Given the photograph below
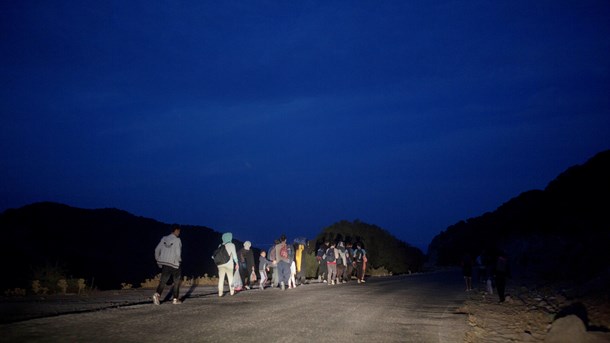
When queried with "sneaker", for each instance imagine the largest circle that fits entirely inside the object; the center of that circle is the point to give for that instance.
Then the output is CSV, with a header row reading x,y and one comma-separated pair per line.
x,y
176,301
282,286
362,281
248,287
156,297
358,280
232,292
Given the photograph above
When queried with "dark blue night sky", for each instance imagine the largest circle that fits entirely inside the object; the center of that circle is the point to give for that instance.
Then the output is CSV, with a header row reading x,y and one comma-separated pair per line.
x,y
262,117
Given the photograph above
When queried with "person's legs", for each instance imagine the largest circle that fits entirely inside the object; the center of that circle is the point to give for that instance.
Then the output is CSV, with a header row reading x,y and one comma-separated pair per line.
x,y
291,281
350,270
165,275
230,275
222,272
284,273
263,274
243,273
340,273
501,286
177,276
275,276
359,271
332,271
323,270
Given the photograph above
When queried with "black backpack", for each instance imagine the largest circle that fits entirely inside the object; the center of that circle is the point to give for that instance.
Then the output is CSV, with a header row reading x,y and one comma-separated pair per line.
x,y
358,255
330,255
221,255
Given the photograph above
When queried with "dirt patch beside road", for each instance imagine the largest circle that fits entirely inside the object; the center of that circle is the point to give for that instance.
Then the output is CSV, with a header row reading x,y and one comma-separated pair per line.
x,y
530,313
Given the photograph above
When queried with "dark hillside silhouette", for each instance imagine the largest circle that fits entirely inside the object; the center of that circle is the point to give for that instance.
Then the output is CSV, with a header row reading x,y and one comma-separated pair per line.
x,y
104,246
561,232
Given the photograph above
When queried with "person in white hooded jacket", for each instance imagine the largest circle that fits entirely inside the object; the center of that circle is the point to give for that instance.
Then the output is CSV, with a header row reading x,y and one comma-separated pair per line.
x,y
167,254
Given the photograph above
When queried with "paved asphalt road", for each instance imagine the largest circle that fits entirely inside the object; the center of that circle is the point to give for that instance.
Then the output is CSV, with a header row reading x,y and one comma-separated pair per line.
x,y
414,308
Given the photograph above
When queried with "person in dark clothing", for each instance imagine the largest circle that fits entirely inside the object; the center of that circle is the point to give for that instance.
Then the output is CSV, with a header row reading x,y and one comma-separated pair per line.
x,y
502,272
349,255
246,264
359,257
341,263
273,265
322,270
467,271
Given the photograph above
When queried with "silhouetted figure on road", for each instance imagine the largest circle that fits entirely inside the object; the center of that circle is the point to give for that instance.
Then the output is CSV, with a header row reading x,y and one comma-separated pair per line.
x,y
467,271
502,272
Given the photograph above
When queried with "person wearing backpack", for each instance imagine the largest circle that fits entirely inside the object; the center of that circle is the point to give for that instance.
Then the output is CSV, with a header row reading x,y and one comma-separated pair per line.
x,y
275,276
341,263
331,263
322,271
229,267
284,255
167,255
359,259
349,256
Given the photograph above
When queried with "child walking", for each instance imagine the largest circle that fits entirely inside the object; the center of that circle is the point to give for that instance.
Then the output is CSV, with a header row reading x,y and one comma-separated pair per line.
x,y
263,267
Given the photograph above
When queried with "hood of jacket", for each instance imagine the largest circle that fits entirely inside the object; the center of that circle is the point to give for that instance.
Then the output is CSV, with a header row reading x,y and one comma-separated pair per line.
x,y
227,237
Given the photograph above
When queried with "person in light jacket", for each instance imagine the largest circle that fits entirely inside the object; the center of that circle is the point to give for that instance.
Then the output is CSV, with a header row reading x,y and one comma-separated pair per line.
x,y
167,254
229,267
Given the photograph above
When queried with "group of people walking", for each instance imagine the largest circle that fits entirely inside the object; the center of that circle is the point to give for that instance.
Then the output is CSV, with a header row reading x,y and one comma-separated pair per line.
x,y
338,263
284,261
492,268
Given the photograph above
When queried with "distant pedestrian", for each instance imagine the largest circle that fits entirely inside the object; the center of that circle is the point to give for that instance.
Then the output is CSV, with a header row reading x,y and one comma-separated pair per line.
x,y
246,264
284,255
502,272
275,276
349,256
467,271
365,260
481,272
341,263
263,268
322,270
359,256
300,260
331,256
228,268
168,256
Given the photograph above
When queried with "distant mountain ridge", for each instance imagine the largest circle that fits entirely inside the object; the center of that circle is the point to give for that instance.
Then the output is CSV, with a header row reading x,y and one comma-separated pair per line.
x,y
560,231
105,246
109,246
